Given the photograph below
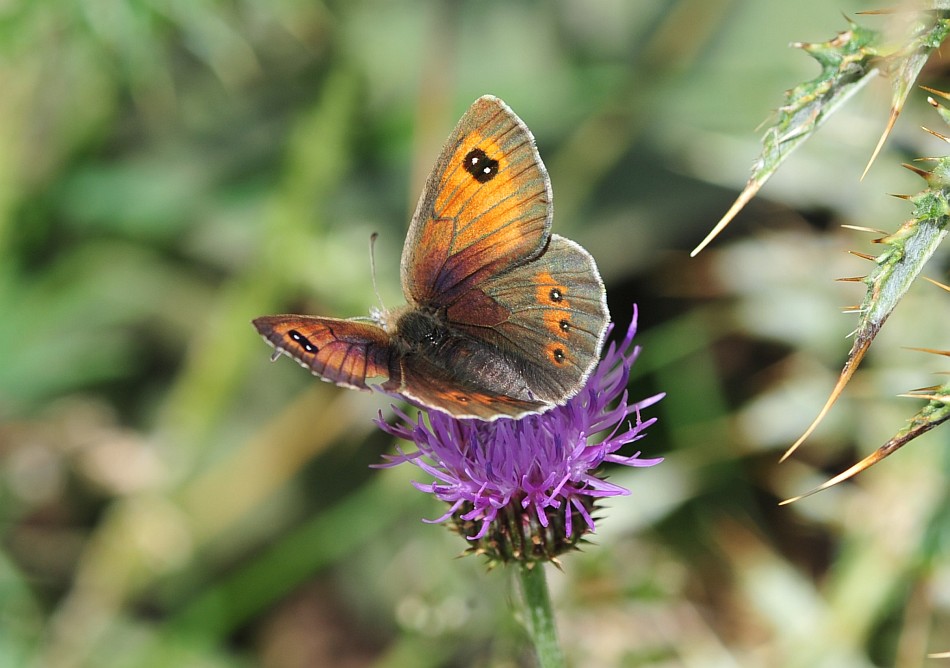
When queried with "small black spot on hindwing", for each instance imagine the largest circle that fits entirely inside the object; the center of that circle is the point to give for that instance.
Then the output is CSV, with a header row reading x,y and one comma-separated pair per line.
x,y
303,341
556,295
480,166
564,325
558,355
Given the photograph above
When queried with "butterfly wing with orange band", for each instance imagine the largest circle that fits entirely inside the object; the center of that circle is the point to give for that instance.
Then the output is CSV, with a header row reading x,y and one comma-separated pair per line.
x,y
486,208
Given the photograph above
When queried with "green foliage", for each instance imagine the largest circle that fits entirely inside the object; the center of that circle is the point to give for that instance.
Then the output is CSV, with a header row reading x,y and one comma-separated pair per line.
x,y
847,62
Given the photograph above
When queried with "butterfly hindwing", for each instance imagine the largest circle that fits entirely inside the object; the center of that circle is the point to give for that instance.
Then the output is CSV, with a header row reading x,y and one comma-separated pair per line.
x,y
431,385
345,352
556,318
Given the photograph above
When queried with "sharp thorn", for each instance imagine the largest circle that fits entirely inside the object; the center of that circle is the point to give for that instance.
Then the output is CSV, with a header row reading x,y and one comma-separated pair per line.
x,y
857,353
916,170
945,353
747,194
861,228
935,134
937,283
938,93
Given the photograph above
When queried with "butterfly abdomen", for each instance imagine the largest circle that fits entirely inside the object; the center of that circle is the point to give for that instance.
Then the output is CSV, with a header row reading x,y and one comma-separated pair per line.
x,y
425,335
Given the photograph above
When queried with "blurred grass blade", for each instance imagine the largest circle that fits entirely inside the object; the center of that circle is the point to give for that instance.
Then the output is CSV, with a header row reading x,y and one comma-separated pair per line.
x,y
847,63
904,66
341,530
908,250
317,159
931,415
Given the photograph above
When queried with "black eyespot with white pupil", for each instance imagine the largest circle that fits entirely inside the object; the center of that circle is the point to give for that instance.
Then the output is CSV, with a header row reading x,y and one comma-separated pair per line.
x,y
480,166
564,325
558,355
302,341
556,295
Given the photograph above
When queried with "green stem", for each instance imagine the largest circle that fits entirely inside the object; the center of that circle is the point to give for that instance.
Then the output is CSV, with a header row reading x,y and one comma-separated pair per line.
x,y
539,616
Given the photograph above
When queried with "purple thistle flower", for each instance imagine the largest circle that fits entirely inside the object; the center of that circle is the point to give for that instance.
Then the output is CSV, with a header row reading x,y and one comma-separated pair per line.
x,y
519,488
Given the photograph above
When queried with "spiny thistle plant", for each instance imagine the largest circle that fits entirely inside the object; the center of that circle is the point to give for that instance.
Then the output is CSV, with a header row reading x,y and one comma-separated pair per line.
x,y
848,61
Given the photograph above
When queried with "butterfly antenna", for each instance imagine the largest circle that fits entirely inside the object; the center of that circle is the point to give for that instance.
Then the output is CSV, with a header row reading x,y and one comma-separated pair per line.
x,y
372,267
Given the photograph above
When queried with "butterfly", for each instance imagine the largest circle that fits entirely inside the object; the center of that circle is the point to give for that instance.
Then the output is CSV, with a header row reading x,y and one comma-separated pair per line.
x,y
503,319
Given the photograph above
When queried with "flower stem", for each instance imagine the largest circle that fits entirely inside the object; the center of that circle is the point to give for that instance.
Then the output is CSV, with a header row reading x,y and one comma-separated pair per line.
x,y
539,616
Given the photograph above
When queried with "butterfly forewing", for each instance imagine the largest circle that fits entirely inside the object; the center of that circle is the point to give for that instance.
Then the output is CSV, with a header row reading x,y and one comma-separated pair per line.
x,y
344,352
485,208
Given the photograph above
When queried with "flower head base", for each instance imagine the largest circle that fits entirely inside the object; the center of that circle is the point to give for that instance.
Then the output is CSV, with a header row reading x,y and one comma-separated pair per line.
x,y
524,490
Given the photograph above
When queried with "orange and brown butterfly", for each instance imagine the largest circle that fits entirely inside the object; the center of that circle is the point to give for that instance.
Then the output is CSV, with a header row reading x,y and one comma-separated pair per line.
x,y
503,318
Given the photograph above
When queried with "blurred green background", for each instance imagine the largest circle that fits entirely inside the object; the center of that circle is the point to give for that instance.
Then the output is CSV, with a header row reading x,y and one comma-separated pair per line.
x,y
171,169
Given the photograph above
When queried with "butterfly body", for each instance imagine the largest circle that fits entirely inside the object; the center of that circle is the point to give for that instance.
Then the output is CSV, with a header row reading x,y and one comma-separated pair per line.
x,y
503,318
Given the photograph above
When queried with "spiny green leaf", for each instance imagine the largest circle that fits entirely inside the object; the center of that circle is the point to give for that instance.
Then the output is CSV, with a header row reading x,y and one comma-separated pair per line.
x,y
847,63
908,250
904,65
